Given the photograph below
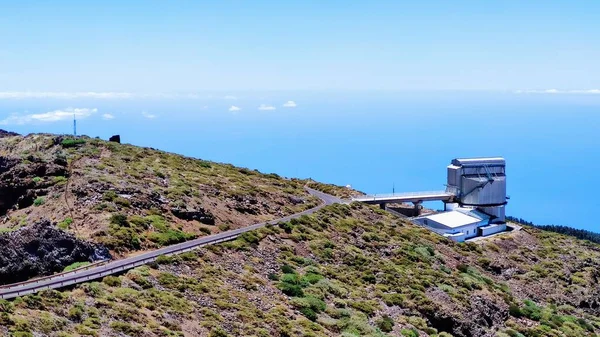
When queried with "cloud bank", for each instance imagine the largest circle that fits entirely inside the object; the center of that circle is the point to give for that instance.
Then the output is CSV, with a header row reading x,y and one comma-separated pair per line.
x,y
234,108
63,95
50,116
266,107
556,91
99,95
289,104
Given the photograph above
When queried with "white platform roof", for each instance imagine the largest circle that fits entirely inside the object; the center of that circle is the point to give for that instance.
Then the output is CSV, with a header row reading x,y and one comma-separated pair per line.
x,y
457,218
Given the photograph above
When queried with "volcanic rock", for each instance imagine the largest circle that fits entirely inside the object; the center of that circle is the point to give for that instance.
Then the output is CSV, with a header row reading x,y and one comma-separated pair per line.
x,y
42,249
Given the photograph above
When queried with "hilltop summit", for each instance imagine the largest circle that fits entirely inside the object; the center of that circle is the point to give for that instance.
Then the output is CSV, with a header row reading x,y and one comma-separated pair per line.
x,y
130,198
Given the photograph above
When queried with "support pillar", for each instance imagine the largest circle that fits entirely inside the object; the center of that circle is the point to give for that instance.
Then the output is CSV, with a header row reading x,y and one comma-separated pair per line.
x,y
382,205
417,208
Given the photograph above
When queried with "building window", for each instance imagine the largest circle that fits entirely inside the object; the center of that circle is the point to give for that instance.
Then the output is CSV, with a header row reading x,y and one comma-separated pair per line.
x,y
425,221
467,232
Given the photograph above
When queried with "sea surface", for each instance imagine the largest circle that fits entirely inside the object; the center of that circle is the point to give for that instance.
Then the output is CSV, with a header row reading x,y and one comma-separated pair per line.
x,y
375,141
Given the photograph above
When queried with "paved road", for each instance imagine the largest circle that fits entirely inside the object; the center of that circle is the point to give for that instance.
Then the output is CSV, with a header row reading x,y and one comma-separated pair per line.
x,y
101,270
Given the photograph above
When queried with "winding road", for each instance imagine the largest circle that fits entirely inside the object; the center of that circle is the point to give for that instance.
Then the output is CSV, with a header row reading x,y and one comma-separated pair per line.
x,y
105,268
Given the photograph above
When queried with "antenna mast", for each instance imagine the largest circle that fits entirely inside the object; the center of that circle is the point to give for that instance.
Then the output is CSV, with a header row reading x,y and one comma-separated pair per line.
x,y
74,126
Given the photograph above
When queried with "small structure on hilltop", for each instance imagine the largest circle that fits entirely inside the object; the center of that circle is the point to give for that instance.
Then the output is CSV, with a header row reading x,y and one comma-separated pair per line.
x,y
474,199
115,138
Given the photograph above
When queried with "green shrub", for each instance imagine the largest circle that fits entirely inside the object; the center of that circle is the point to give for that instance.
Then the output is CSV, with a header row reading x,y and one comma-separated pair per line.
x,y
66,143
463,268
368,307
312,278
6,306
514,310
121,235
531,310
291,289
122,202
386,324
60,180
409,333
36,179
109,196
394,299
112,281
287,269
39,201
286,226
76,313
119,219
218,332
165,259
65,223
75,266
309,313
250,237
139,221
170,237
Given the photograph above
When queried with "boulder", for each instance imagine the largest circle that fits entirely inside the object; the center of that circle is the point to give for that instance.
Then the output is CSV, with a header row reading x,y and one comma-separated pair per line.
x,y
198,214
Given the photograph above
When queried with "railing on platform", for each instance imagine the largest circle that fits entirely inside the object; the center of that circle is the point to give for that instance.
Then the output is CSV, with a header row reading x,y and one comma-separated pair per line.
x,y
401,195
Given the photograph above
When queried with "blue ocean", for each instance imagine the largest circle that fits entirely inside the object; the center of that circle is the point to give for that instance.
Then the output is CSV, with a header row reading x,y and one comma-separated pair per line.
x,y
375,141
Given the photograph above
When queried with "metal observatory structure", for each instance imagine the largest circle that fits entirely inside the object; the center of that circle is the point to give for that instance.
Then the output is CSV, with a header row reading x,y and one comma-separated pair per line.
x,y
479,183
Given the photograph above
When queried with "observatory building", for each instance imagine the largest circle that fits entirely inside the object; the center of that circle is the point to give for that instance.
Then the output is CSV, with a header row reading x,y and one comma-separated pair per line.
x,y
474,199
478,186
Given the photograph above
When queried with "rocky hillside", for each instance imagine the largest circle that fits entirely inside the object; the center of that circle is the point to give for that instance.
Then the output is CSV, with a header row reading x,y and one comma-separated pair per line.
x,y
43,249
130,198
347,270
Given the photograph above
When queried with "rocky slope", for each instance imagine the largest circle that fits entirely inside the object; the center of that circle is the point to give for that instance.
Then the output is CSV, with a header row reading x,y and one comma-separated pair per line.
x,y
130,198
347,270
42,249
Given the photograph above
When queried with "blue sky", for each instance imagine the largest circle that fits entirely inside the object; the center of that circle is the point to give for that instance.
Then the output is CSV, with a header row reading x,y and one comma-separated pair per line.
x,y
188,46
372,93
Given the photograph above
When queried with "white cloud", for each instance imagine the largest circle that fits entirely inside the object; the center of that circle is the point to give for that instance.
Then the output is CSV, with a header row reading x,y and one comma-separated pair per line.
x,y
63,95
50,116
230,97
108,116
234,108
148,115
266,107
556,91
290,104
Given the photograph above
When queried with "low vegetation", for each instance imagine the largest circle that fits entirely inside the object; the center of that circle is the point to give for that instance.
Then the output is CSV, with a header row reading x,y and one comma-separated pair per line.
x,y
348,270
575,232
80,183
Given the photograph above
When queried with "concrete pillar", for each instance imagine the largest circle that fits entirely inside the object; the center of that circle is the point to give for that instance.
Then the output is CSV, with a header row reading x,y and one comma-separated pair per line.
x,y
417,207
382,205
